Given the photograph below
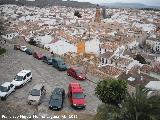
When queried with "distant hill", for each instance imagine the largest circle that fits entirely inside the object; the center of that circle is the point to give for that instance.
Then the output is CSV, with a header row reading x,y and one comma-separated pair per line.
x,y
127,5
44,3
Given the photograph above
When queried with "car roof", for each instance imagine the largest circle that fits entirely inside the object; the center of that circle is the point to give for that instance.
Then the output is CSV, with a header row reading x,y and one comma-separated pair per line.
x,y
57,90
6,84
76,87
58,58
29,49
75,68
23,72
38,86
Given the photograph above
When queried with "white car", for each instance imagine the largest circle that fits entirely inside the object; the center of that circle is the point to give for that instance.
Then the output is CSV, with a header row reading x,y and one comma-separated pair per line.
x,y
36,94
23,48
22,78
6,89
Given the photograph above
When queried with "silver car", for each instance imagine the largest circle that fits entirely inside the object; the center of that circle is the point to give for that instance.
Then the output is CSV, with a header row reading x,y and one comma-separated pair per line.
x,y
36,94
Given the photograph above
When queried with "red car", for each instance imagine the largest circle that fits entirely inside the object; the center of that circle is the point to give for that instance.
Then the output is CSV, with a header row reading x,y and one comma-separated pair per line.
x,y
76,73
76,95
38,55
16,47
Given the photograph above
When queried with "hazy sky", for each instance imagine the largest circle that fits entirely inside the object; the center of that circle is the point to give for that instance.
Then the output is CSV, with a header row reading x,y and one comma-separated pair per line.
x,y
148,2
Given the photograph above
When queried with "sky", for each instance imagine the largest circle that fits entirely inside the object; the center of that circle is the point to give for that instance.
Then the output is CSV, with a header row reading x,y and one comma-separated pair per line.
x,y
147,2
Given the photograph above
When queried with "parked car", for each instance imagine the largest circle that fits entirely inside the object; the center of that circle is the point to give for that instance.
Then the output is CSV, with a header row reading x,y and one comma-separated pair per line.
x,y
22,78
6,89
76,95
23,48
36,94
76,73
38,55
16,47
57,99
47,59
59,64
28,51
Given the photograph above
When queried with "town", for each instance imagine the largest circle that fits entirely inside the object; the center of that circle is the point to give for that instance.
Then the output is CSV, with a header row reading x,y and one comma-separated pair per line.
x,y
81,47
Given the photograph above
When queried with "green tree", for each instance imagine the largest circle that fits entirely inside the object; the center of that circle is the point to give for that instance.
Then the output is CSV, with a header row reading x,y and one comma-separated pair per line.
x,y
111,91
139,106
140,58
76,13
136,106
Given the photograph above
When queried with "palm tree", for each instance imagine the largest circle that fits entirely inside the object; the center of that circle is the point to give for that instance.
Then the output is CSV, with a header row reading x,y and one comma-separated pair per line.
x,y
139,106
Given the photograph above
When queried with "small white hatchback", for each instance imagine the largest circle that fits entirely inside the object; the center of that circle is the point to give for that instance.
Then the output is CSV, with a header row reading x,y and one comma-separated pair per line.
x,y
6,89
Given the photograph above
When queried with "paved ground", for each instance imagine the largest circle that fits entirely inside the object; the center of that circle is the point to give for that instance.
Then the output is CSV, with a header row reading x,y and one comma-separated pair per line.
x,y
14,61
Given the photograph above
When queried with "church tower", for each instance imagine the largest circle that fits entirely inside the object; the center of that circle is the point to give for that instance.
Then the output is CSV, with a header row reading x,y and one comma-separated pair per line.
x,y
98,14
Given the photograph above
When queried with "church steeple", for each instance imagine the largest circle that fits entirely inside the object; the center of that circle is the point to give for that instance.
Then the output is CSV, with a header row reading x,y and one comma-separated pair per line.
x,y
98,14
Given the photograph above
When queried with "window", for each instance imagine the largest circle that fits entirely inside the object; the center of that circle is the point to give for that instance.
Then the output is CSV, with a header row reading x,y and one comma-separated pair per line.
x,y
102,60
24,77
11,85
100,50
8,88
28,74
106,61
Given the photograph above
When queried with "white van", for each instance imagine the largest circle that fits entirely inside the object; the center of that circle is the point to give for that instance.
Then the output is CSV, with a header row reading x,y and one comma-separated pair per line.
x,y
22,78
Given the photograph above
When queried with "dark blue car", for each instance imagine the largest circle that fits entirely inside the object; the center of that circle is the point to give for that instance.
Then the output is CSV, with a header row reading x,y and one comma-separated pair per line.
x,y
28,51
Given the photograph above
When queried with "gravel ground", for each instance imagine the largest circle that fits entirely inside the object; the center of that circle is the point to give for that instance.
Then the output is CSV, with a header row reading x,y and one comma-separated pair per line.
x,y
14,61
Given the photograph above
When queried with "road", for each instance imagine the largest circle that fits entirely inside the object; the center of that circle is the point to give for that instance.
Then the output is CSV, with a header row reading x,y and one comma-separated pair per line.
x,y
14,61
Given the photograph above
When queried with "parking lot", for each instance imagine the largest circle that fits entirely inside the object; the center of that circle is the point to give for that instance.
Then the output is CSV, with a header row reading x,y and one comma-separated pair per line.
x,y
14,61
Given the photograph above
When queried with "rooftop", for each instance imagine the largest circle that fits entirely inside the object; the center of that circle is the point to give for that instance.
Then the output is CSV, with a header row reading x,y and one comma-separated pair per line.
x,y
6,84
23,72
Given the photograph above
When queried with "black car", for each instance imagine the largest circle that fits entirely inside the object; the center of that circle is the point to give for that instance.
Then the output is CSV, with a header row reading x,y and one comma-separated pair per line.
x,y
29,51
57,99
47,59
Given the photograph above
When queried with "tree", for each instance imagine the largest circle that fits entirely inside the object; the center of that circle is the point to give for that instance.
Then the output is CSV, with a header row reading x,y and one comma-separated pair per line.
x,y
76,13
141,59
111,91
139,106
136,106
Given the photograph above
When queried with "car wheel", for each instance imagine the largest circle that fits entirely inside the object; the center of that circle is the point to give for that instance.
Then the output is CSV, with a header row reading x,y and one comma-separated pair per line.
x,y
4,98
21,85
14,90
29,103
31,79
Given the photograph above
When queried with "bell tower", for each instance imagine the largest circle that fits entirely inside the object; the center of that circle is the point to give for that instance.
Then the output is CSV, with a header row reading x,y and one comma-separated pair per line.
x,y
98,14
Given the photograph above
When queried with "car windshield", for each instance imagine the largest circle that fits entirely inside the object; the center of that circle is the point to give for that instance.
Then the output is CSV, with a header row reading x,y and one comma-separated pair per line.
x,y
18,78
78,95
35,92
3,89
61,63
79,71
